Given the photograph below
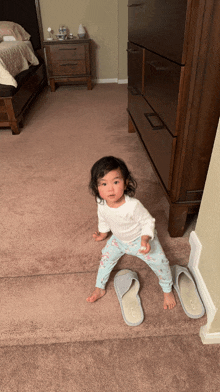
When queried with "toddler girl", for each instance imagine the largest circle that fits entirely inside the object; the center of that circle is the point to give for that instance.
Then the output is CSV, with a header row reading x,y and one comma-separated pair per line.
x,y
131,225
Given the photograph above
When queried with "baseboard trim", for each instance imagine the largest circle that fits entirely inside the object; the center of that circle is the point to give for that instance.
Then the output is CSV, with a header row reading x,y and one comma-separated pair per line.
x,y
196,248
209,338
122,81
119,81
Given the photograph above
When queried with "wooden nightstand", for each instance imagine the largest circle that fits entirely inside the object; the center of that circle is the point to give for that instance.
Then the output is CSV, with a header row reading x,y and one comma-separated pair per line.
x,y
68,62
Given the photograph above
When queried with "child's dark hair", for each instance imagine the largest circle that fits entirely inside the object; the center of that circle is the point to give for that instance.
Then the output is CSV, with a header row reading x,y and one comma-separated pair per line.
x,y
106,164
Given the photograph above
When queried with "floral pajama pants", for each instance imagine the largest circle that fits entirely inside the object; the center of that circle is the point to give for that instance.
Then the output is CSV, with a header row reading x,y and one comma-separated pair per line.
x,y
155,259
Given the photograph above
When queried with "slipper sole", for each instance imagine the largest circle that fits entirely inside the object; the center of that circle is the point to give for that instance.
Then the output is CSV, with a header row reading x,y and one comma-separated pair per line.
x,y
130,303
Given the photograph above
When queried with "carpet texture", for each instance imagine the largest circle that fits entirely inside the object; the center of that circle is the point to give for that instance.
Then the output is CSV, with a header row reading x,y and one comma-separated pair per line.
x,y
156,364
51,339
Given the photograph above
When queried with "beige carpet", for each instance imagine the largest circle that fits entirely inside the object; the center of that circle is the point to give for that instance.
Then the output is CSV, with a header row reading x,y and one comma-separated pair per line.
x,y
51,339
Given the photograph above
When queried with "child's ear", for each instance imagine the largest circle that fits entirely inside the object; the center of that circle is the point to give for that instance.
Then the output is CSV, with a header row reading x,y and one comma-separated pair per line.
x,y
126,183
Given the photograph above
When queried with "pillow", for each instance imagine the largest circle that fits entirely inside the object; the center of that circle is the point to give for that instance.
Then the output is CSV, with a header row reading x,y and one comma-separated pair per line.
x,y
8,38
11,28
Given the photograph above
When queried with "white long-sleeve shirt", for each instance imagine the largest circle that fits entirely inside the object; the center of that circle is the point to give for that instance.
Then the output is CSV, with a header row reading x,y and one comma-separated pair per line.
x,y
127,222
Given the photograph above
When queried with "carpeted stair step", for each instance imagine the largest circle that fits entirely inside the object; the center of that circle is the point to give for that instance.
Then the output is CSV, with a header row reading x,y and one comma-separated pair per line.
x,y
53,309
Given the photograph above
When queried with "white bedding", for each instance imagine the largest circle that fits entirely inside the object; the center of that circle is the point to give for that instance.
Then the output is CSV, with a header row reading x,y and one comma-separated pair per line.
x,y
15,57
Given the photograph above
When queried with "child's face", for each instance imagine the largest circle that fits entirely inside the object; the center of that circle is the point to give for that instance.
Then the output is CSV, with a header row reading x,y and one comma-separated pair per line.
x,y
111,188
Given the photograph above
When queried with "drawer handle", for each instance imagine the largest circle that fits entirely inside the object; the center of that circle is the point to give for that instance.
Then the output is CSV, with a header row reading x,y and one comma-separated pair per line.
x,y
159,67
68,49
136,5
133,50
66,65
155,122
134,91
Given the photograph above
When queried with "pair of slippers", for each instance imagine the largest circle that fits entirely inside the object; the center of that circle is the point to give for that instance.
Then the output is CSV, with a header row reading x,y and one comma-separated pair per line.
x,y
127,286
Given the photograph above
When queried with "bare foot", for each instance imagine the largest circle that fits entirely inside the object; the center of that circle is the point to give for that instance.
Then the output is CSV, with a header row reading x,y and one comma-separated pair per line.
x,y
99,236
169,301
97,293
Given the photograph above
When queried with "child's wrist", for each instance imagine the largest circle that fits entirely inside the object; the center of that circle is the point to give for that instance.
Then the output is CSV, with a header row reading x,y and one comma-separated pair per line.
x,y
145,238
103,235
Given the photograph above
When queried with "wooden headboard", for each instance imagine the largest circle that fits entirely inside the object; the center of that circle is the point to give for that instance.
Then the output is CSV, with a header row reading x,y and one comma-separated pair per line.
x,y
27,14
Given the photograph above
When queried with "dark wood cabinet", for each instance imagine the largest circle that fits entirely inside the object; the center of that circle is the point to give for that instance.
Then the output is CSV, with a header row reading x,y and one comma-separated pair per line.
x,y
155,136
158,25
68,61
174,94
161,87
135,64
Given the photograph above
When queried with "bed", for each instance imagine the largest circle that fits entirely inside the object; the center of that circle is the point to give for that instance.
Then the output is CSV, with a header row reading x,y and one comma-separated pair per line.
x,y
22,68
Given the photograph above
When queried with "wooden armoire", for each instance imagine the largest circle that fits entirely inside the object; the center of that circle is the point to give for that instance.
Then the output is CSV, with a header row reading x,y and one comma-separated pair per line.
x,y
174,94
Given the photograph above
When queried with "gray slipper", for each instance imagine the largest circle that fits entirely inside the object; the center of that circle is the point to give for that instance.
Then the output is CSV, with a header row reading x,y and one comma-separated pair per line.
x,y
127,285
187,292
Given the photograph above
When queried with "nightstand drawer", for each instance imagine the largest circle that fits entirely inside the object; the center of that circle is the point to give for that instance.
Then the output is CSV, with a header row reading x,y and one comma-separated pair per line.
x,y
67,52
62,68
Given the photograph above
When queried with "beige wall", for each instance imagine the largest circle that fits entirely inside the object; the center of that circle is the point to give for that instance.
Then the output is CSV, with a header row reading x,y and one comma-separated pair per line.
x,y
208,231
106,24
123,38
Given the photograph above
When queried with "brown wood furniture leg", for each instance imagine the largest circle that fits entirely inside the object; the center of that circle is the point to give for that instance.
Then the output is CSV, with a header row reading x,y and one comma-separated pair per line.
x,y
15,128
177,219
89,84
52,85
131,128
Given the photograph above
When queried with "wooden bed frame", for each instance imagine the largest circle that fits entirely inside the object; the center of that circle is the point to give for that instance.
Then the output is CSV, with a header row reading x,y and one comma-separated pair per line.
x,y
12,108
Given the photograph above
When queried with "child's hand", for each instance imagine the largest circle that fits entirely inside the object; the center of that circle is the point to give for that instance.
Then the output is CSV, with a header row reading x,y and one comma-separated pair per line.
x,y
99,236
145,249
145,246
